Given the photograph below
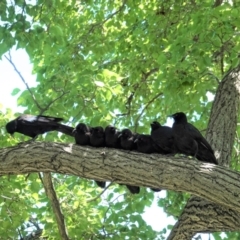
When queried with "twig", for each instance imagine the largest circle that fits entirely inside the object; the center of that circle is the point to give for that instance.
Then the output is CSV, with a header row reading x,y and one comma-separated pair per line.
x,y
32,221
144,108
146,75
135,87
49,104
113,14
23,80
42,109
83,105
94,25
34,235
51,194
19,233
100,194
211,74
105,215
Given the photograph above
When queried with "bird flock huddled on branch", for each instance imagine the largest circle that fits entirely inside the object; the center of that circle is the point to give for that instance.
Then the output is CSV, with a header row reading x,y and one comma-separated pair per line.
x,y
182,138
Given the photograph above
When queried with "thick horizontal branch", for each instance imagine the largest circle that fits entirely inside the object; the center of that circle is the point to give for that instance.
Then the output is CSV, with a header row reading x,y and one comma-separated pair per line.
x,y
214,183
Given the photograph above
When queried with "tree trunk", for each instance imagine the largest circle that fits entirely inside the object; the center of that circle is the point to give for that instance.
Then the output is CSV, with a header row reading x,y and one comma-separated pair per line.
x,y
199,215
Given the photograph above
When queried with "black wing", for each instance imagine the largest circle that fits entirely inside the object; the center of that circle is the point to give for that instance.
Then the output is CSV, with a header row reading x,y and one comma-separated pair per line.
x,y
163,139
195,134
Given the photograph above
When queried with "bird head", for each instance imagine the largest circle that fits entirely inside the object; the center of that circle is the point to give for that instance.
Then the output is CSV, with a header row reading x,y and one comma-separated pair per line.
x,y
126,133
113,129
141,138
82,128
98,131
110,129
11,127
179,117
155,125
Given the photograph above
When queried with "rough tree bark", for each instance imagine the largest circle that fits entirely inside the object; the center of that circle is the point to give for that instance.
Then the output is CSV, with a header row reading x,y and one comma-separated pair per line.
x,y
200,215
215,183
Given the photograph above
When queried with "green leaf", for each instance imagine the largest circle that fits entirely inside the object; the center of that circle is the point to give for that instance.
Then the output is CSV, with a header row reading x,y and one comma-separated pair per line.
x,y
15,91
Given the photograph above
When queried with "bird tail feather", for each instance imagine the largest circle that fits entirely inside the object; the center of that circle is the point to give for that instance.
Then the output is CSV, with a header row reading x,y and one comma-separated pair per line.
x,y
66,130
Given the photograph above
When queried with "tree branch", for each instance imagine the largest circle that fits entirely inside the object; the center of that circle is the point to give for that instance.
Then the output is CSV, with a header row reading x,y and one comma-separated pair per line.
x,y
94,25
50,192
42,109
100,194
214,183
23,80
202,216
36,234
144,108
53,101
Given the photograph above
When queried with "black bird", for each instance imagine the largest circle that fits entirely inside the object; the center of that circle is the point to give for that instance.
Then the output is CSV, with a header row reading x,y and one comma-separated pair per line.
x,y
162,137
33,126
144,144
188,140
112,139
127,141
82,134
97,139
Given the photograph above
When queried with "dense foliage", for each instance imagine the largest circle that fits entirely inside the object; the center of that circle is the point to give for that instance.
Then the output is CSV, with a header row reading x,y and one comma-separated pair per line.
x,y
121,62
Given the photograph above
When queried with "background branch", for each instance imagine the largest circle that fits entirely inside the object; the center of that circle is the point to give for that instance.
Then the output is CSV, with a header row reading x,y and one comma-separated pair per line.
x,y
52,196
23,80
144,109
42,109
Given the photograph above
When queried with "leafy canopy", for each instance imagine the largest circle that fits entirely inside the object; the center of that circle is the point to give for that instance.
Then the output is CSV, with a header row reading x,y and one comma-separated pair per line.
x,y
121,62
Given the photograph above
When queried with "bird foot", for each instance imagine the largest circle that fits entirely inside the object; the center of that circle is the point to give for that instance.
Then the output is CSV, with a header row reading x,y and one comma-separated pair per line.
x,y
155,189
